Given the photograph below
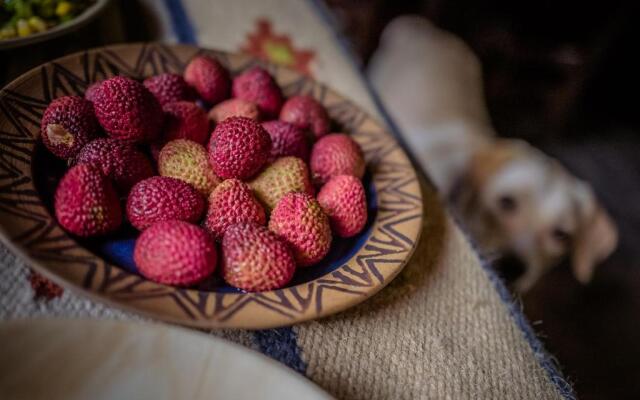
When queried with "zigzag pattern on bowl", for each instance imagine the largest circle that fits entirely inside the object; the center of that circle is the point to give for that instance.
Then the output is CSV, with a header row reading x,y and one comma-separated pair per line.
x,y
31,230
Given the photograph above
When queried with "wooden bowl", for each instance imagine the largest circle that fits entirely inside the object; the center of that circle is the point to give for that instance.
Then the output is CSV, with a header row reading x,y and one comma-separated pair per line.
x,y
354,270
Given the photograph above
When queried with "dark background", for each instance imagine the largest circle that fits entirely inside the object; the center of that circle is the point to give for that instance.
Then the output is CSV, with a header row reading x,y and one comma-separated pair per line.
x,y
564,76
560,74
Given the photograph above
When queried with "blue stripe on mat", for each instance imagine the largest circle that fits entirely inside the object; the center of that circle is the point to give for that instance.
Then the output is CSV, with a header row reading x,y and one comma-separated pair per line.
x,y
180,22
543,357
280,344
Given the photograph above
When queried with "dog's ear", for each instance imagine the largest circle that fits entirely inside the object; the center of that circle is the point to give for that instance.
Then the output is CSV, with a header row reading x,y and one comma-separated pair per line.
x,y
595,240
483,163
488,160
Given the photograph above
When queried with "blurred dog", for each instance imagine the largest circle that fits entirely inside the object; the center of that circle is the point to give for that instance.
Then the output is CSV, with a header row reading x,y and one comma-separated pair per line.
x,y
513,199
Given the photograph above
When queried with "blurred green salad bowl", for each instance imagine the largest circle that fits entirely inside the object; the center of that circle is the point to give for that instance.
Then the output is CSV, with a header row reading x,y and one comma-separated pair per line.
x,y
25,22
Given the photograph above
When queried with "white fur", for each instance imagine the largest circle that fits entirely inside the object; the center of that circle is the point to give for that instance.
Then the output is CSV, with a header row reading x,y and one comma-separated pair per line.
x,y
443,119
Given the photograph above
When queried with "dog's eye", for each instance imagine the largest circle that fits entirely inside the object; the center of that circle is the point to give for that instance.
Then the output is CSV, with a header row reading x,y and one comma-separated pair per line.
x,y
560,235
507,203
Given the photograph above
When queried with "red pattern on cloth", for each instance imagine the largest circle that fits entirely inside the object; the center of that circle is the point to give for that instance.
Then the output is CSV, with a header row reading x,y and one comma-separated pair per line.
x,y
266,45
43,288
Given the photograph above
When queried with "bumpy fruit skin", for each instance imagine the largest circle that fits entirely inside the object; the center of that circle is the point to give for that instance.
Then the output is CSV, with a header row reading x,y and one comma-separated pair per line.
x,y
185,120
230,203
175,253
127,110
169,88
238,148
187,160
234,108
91,91
86,203
299,220
307,114
161,198
287,140
254,259
285,175
258,86
336,154
121,161
343,199
67,125
209,78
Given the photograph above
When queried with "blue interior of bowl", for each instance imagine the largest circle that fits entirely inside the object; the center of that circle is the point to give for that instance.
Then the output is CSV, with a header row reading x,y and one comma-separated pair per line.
x,y
117,248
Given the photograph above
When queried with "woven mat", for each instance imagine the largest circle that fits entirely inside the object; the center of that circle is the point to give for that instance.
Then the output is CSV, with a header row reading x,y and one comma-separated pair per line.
x,y
444,328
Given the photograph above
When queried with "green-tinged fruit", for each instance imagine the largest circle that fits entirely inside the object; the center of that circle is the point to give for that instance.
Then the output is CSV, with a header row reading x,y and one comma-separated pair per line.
x,y
299,220
230,203
255,259
285,175
187,160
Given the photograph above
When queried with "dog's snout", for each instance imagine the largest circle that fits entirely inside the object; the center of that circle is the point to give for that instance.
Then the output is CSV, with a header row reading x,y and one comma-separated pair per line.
x,y
525,241
510,267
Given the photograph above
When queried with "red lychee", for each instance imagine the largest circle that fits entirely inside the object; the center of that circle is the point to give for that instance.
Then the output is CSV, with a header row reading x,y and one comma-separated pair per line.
x,y
67,125
127,110
343,200
209,78
175,253
238,148
287,140
86,204
234,108
119,160
258,86
336,154
169,88
91,91
185,120
161,198
306,113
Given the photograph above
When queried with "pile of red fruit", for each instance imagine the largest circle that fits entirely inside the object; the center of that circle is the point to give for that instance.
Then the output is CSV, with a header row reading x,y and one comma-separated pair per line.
x,y
242,194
